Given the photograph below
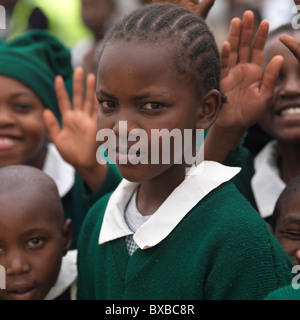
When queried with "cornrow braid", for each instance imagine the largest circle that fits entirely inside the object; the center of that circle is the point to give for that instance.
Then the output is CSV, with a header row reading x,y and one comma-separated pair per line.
x,y
195,46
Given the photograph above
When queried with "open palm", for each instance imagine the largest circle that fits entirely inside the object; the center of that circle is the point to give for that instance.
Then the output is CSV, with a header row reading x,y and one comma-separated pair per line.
x,y
247,88
76,140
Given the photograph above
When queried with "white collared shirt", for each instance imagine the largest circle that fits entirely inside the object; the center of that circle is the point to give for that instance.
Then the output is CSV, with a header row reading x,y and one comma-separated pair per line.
x,y
266,182
67,277
200,181
59,170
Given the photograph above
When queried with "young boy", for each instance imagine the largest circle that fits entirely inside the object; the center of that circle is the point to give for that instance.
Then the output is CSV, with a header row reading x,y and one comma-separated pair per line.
x,y
34,237
163,234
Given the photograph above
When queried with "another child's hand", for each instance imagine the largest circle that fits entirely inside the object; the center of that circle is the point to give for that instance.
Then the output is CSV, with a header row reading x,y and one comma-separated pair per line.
x,y
76,140
292,44
247,88
200,8
243,82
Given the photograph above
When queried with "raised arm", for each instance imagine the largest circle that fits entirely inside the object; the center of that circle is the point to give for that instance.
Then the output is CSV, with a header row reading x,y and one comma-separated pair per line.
x,y
248,89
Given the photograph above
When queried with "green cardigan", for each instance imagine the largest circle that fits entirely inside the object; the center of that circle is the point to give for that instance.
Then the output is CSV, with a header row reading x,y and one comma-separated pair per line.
x,y
79,200
222,249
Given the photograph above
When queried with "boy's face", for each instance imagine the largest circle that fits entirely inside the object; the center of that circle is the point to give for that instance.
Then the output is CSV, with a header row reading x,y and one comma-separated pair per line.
x,y
22,129
287,230
31,245
282,118
137,84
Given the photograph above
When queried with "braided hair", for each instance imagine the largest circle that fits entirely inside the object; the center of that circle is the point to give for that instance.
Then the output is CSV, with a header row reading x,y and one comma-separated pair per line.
x,y
195,47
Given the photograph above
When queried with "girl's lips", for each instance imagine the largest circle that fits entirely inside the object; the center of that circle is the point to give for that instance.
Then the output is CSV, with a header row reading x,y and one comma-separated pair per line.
x,y
8,143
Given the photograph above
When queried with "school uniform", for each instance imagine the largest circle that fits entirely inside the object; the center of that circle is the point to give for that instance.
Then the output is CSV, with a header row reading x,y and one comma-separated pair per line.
x,y
259,181
65,286
75,195
204,242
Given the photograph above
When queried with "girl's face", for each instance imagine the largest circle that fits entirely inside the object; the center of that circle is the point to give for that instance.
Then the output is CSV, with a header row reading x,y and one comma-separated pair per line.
x,y
282,118
22,130
139,86
32,241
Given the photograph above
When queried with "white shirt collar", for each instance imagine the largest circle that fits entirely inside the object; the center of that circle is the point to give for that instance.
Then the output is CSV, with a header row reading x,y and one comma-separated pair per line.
x,y
200,181
67,277
266,182
59,170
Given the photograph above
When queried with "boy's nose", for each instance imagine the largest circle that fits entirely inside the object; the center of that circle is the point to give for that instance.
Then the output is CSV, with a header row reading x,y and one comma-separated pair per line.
x,y
17,264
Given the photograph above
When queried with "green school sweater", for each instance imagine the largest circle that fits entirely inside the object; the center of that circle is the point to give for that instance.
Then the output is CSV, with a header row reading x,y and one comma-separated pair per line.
x,y
79,199
222,249
285,293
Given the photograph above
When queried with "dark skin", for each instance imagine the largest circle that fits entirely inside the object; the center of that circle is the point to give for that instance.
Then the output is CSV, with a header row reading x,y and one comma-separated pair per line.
x,y
287,230
200,8
33,239
152,97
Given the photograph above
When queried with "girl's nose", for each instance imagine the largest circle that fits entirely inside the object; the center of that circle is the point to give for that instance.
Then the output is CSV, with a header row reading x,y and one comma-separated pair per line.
x,y
6,117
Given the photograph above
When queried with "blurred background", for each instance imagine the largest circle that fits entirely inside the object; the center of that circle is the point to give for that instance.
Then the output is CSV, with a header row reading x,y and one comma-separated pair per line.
x,y
81,24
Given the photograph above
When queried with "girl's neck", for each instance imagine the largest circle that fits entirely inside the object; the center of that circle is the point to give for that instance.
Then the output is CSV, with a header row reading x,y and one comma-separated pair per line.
x,y
289,162
152,193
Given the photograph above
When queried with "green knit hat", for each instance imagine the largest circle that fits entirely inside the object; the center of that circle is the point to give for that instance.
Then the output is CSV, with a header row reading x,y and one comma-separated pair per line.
x,y
35,58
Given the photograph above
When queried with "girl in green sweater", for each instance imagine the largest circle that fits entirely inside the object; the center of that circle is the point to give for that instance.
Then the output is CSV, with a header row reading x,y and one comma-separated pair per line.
x,y
170,230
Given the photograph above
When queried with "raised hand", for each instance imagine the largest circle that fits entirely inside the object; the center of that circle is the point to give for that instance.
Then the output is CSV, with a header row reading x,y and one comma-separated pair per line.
x,y
76,140
200,8
248,89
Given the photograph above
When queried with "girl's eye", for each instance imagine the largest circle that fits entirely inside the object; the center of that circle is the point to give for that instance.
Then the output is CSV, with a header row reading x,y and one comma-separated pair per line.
x,y
152,106
22,107
107,105
35,243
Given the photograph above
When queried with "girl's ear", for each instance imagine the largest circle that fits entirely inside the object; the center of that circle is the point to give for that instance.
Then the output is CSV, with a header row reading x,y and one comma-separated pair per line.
x,y
209,108
67,235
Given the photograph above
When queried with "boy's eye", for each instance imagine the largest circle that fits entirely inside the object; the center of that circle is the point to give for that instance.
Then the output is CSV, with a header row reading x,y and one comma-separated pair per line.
x,y
35,243
152,106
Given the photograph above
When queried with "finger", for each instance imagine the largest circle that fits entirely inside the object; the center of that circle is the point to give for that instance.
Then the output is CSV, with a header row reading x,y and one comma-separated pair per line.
x,y
234,39
204,8
63,99
292,44
51,124
246,36
225,56
78,89
257,54
270,77
90,94
95,109
298,256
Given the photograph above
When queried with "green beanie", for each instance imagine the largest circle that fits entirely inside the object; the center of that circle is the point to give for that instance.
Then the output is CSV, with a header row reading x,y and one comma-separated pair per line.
x,y
35,59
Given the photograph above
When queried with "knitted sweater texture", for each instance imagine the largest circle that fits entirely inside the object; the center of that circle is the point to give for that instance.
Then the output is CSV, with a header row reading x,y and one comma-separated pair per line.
x,y
221,250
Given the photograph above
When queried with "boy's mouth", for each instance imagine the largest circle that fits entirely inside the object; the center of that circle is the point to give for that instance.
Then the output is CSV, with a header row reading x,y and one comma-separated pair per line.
x,y
22,291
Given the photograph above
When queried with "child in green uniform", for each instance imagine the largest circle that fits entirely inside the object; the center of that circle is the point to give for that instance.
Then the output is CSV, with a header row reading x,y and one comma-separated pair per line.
x,y
34,237
30,114
168,232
